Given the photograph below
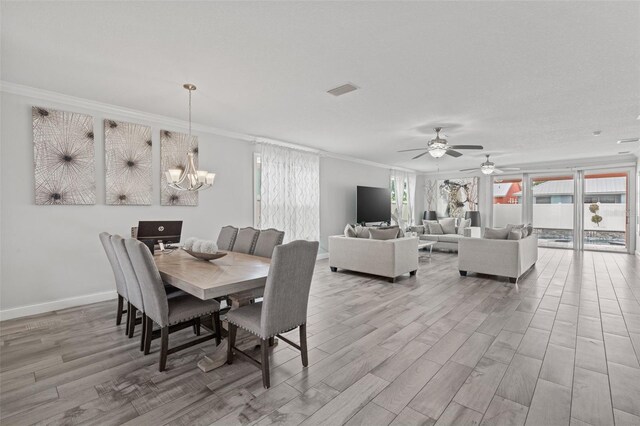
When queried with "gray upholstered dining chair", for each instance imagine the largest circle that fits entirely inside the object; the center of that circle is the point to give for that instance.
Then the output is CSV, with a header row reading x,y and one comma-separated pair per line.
x,y
284,307
246,240
134,294
169,313
267,240
227,237
121,286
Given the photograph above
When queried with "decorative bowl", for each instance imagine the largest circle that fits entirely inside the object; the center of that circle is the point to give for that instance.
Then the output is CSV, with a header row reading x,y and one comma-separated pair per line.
x,y
206,256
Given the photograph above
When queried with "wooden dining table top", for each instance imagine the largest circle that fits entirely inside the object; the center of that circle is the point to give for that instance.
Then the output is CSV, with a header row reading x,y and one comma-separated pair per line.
x,y
233,273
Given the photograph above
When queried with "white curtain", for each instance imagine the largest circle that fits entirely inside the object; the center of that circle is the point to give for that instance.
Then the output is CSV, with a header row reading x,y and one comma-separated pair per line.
x,y
400,178
411,197
290,192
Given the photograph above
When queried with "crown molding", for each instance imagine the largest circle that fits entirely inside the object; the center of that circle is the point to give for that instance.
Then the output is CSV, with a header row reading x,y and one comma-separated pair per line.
x,y
365,162
128,113
628,160
169,122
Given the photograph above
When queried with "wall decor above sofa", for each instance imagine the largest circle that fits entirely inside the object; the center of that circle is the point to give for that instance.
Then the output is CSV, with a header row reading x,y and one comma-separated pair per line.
x,y
173,149
64,157
457,196
128,158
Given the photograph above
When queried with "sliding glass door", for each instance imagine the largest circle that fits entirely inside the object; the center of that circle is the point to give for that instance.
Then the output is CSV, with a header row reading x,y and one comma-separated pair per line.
x,y
585,209
606,211
507,201
553,210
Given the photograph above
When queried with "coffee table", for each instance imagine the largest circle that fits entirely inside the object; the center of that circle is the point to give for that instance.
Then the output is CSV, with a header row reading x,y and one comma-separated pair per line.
x,y
424,244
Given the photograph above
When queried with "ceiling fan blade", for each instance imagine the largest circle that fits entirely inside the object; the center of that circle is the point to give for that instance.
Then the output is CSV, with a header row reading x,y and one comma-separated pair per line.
x,y
420,155
414,149
509,169
469,170
497,171
453,153
466,146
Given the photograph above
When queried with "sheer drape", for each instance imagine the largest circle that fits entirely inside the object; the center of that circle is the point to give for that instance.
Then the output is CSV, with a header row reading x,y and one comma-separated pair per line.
x,y
290,192
400,179
411,197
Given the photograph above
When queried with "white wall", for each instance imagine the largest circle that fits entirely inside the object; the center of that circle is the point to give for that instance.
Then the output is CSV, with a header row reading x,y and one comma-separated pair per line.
x,y
338,181
52,253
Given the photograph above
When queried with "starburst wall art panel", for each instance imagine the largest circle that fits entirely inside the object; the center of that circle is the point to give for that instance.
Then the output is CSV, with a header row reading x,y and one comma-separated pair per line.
x,y
174,148
64,157
127,163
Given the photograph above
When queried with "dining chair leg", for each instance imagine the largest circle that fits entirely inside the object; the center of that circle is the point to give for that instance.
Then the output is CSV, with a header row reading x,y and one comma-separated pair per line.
x,y
144,331
217,326
196,327
132,320
120,309
128,322
148,325
264,349
272,341
231,341
164,347
303,345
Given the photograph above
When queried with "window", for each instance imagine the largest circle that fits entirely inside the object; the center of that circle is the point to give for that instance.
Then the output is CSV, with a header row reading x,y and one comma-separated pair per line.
x,y
287,191
604,198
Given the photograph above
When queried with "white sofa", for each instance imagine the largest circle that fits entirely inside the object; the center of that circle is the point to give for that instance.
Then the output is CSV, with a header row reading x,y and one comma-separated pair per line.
x,y
387,258
508,258
448,242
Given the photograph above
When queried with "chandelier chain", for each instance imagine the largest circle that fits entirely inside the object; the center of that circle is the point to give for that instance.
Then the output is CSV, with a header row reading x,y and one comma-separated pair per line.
x,y
190,114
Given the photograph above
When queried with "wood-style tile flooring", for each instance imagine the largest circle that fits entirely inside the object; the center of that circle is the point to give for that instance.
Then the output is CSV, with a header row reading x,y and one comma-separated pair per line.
x,y
560,349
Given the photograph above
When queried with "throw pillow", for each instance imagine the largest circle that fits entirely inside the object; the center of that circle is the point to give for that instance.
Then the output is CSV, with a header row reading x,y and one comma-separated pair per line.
x,y
448,225
362,232
529,229
349,231
464,223
417,229
400,233
496,233
515,234
435,229
521,228
383,234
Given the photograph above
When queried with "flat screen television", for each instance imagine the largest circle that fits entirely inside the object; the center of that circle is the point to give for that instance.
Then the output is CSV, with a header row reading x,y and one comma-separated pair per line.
x,y
373,204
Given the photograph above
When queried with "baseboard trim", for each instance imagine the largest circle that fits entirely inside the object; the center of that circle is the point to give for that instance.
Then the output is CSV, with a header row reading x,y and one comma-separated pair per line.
x,y
41,308
322,256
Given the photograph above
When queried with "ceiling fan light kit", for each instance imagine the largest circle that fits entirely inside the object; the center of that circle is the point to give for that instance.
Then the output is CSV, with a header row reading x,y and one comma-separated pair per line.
x,y
438,147
489,167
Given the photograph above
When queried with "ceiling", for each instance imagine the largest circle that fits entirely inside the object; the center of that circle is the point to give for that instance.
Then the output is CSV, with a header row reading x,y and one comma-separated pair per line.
x,y
530,81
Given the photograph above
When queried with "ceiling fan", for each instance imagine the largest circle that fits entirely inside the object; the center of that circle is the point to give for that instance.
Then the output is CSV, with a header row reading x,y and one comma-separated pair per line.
x,y
438,147
488,168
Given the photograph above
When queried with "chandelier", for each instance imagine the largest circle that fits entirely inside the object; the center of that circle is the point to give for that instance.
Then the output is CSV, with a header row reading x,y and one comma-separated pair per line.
x,y
189,179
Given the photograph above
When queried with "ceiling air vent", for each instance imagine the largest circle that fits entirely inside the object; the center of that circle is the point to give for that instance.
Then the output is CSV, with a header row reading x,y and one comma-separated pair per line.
x,y
629,140
341,90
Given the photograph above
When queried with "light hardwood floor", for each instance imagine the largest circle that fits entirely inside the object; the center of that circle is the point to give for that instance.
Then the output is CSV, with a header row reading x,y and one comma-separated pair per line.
x,y
562,348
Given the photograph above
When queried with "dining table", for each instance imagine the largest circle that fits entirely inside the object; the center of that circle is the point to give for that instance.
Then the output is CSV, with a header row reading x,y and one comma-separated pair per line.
x,y
238,276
